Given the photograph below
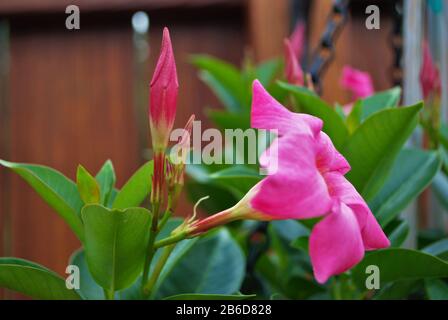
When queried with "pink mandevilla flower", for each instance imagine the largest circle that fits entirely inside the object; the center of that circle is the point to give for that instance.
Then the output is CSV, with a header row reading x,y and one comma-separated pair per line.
x,y
429,73
308,182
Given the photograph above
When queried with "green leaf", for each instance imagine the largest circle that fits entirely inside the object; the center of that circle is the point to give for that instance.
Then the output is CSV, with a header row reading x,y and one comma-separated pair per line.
x,y
225,80
238,179
440,188
398,290
196,296
115,244
214,265
438,248
436,289
266,72
33,280
294,88
89,289
334,125
106,179
399,233
411,173
372,148
354,118
398,264
136,189
379,101
56,190
87,186
226,120
181,248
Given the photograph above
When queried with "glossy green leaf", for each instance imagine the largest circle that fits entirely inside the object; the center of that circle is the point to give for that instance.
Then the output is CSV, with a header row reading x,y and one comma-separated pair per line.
x,y
397,264
411,173
398,290
353,120
379,101
440,188
399,233
33,280
436,289
115,244
438,248
181,248
136,189
196,296
226,120
88,188
106,179
267,71
55,189
334,125
238,179
372,148
89,289
214,265
225,80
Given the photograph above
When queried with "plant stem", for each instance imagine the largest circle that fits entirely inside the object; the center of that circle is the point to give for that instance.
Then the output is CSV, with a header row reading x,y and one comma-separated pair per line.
x,y
158,269
170,240
165,218
150,250
109,294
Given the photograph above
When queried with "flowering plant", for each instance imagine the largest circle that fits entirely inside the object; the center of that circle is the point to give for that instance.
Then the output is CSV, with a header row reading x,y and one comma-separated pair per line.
x,y
330,203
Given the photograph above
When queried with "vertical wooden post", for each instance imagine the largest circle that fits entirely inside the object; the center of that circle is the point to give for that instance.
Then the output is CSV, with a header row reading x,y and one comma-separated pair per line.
x,y
268,24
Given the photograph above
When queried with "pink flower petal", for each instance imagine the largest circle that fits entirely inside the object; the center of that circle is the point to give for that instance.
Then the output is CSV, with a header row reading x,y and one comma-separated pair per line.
x,y
267,113
372,234
328,158
335,243
296,189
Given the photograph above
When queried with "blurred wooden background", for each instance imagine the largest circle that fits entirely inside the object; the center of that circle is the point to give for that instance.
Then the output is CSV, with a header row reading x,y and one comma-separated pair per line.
x,y
71,97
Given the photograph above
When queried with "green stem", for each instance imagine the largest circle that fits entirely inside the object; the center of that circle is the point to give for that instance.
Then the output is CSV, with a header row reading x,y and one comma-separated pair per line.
x,y
170,240
165,218
150,250
109,294
158,269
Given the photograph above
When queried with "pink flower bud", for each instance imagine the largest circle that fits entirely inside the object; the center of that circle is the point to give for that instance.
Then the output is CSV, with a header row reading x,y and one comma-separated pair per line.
x,y
163,95
293,70
297,39
429,74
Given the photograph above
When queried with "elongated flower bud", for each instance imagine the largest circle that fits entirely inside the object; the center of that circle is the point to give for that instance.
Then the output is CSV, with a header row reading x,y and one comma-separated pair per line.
x,y
293,70
429,74
163,95
162,111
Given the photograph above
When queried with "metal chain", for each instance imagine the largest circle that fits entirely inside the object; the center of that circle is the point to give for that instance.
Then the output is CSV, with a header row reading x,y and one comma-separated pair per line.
x,y
396,41
324,52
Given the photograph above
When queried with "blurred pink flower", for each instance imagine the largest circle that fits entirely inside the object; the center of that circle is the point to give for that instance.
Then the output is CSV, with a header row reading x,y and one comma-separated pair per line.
x,y
308,182
293,70
297,39
358,82
429,73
